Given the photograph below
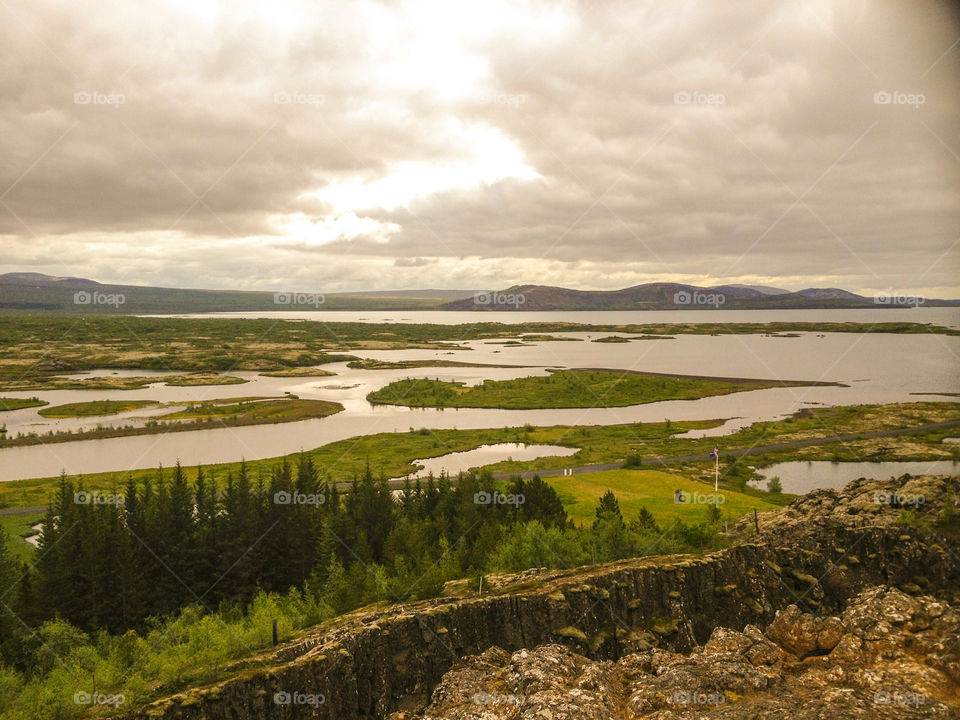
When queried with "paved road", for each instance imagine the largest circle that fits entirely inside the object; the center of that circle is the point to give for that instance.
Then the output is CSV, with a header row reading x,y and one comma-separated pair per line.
x,y
658,461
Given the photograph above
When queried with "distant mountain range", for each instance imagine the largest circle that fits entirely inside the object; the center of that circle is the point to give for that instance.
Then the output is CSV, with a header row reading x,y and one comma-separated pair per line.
x,y
39,292
677,296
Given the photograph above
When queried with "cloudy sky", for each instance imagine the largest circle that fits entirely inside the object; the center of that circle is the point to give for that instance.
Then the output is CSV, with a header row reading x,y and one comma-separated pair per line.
x,y
380,145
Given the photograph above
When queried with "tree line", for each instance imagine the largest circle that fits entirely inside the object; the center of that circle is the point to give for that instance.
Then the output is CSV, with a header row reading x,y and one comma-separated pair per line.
x,y
151,553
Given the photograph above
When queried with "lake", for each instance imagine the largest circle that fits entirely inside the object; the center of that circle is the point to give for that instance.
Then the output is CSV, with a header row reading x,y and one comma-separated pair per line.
x,y
875,369
453,463
805,475
949,316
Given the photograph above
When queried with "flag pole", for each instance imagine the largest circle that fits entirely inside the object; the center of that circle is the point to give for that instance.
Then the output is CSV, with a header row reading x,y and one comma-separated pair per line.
x,y
716,475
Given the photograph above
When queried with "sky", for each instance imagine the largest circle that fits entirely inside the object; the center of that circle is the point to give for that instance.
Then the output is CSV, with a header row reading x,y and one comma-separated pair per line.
x,y
392,145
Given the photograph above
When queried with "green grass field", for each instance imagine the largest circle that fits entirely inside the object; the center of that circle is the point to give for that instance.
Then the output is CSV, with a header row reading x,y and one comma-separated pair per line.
x,y
390,454
653,489
111,382
36,346
563,389
299,372
228,412
15,527
371,364
265,410
96,407
8,404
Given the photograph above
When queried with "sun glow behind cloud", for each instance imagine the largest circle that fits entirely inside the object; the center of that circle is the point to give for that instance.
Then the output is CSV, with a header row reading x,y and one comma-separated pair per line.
x,y
494,158
544,135
347,226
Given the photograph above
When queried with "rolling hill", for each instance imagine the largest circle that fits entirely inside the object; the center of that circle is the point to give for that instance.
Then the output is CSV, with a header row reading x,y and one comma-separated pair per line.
x,y
38,292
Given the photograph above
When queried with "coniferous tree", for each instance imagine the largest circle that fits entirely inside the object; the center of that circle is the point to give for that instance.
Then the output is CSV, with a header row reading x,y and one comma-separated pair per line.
x,y
608,508
11,622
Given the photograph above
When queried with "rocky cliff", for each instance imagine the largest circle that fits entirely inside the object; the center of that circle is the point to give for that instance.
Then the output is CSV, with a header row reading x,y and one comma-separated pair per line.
x,y
606,624
889,655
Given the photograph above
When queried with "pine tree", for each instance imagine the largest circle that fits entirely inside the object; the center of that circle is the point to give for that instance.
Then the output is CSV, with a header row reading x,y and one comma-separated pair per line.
x,y
236,571
608,507
11,622
644,522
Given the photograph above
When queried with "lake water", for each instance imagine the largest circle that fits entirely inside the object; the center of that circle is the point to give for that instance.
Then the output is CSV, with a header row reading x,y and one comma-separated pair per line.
x,y
949,316
453,463
874,368
803,476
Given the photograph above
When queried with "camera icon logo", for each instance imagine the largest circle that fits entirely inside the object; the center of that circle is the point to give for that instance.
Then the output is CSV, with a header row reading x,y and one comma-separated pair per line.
x,y
282,498
282,698
682,297
482,498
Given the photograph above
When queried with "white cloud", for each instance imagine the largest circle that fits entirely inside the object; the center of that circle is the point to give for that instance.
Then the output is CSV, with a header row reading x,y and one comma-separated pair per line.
x,y
511,142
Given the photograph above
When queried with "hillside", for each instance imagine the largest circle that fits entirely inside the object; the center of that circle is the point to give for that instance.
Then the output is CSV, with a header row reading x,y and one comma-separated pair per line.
x,y
39,292
834,602
671,296
35,291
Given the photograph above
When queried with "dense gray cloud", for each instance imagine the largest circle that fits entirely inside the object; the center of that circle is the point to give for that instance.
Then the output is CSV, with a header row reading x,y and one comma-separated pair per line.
x,y
398,145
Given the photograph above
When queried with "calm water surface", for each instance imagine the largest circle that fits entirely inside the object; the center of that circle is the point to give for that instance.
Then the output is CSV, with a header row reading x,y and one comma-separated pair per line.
x,y
874,368
805,475
453,463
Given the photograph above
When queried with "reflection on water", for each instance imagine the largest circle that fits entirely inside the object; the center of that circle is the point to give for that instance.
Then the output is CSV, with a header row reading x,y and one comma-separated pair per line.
x,y
453,463
802,476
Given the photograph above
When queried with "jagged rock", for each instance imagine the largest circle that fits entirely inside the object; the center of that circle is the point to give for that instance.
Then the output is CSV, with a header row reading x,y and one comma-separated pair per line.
x,y
720,679
802,633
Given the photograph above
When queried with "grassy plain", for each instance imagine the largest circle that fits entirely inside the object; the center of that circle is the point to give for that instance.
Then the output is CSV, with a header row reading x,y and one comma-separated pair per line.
x,y
8,404
115,382
391,454
94,408
200,416
37,347
564,389
653,489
